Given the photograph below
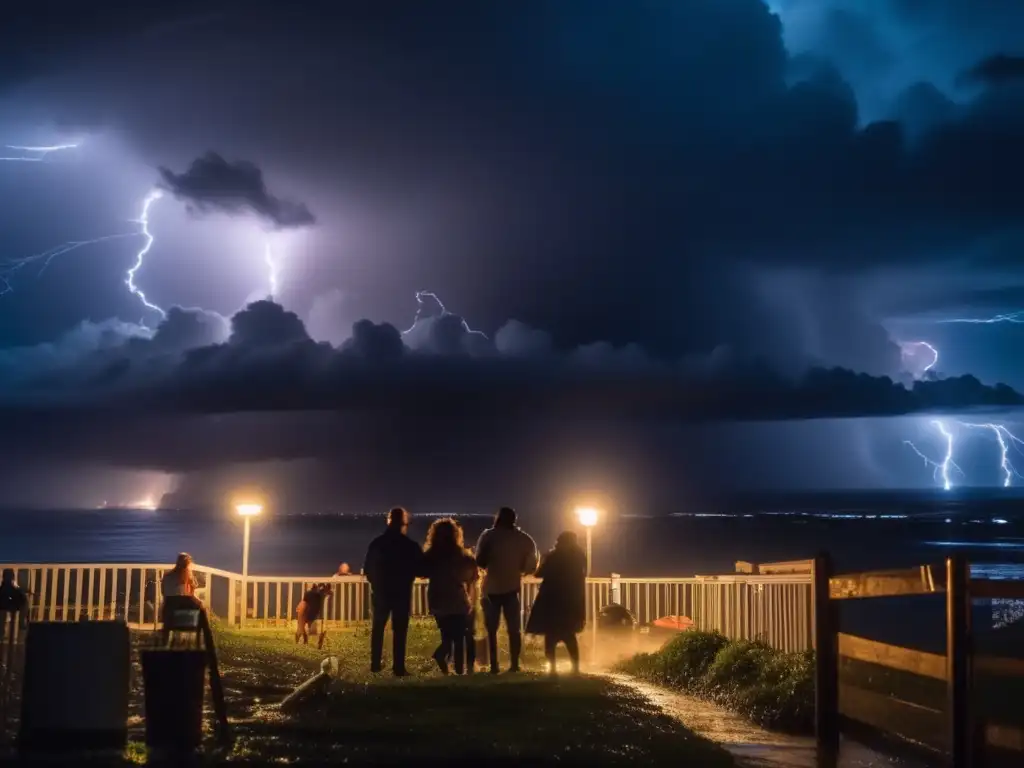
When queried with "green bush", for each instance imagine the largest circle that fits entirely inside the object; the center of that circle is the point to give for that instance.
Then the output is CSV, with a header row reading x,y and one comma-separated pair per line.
x,y
771,688
688,657
740,664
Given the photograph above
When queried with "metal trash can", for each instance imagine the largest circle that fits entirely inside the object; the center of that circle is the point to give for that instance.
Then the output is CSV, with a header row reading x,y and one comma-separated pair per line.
x,y
174,681
615,617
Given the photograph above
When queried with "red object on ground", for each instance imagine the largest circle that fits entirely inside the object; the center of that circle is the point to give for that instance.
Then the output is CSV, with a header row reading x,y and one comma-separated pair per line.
x,y
678,623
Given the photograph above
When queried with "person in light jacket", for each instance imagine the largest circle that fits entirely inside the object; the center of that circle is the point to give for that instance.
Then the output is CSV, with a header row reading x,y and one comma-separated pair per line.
x,y
506,553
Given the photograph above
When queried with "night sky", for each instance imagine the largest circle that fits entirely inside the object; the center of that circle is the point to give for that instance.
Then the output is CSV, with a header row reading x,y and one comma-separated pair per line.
x,y
670,247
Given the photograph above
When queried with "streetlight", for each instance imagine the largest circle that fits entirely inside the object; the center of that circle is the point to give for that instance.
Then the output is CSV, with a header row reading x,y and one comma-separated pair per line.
x,y
588,517
248,510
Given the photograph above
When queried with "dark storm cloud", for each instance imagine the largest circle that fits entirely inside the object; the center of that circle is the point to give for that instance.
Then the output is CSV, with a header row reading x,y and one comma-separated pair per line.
x,y
269,363
213,184
997,70
613,172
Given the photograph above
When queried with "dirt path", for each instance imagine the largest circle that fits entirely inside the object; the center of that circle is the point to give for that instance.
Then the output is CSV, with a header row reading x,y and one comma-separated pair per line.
x,y
753,747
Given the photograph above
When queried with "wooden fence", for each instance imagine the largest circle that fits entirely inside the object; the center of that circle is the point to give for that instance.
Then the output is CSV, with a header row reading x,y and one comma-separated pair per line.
x,y
927,700
776,608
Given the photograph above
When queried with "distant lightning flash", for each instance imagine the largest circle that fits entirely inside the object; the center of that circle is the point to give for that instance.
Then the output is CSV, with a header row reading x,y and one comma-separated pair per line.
x,y
35,154
268,257
143,220
1007,317
941,468
929,347
1002,435
9,268
419,314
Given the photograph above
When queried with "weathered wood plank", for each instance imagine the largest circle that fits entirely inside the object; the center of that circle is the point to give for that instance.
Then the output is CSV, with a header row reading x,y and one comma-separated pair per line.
x,y
910,581
894,656
888,714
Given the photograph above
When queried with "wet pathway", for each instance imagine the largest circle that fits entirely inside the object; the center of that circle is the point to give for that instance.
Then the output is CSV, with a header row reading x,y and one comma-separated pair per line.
x,y
753,747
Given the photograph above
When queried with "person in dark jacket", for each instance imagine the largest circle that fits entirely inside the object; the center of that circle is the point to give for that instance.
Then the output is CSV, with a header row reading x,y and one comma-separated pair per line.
x,y
452,571
393,561
560,610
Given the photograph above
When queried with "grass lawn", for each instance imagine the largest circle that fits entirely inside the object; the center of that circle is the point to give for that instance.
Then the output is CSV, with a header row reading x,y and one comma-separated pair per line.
x,y
427,719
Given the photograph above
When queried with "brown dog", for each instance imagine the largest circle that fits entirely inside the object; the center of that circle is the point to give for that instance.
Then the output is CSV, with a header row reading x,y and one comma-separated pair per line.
x,y
309,610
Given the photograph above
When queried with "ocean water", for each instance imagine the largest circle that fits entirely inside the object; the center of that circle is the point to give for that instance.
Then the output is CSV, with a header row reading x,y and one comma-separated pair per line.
x,y
861,531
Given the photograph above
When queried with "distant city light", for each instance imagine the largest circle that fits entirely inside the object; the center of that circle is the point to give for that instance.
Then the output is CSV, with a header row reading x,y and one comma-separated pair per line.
x,y
248,509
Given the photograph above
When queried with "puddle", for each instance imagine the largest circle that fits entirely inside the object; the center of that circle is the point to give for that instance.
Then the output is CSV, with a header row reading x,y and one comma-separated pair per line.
x,y
752,746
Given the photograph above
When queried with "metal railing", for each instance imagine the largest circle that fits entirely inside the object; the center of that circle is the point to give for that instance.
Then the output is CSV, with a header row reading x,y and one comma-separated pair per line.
x,y
741,606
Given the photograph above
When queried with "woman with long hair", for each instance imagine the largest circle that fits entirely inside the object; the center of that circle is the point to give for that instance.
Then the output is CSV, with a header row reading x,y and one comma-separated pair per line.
x,y
180,581
452,572
560,610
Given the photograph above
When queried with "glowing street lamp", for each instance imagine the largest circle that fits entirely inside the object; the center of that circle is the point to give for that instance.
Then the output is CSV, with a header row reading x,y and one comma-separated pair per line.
x,y
588,517
248,510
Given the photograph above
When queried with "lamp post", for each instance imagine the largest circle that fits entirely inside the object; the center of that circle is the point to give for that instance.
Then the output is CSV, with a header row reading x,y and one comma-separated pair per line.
x,y
588,517
248,510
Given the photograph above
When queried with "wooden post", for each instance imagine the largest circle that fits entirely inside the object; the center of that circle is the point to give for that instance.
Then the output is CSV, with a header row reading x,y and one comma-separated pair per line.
x,y
232,600
826,664
958,660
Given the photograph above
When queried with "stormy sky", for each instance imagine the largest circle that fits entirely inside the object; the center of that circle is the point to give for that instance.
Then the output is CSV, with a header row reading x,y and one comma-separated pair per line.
x,y
650,231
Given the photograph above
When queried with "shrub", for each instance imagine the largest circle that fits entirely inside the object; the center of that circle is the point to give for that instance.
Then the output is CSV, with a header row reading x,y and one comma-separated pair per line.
x,y
771,688
740,664
687,658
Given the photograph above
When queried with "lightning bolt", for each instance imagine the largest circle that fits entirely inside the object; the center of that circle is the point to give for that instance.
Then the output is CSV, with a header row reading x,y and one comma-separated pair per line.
x,y
1007,317
419,314
941,468
35,154
926,345
9,268
1002,435
143,220
268,257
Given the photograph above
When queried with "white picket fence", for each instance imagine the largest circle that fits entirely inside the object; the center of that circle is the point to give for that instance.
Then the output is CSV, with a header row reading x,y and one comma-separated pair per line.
x,y
776,608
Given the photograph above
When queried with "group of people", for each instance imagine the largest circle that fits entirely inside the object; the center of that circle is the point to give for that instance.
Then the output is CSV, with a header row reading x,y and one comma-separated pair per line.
x,y
504,554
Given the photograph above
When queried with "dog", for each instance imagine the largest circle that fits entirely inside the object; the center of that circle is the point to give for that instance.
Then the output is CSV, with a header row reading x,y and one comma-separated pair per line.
x,y
309,610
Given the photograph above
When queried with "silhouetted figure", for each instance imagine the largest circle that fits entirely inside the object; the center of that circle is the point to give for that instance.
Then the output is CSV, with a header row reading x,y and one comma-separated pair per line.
x,y
393,561
13,600
452,571
311,608
506,553
560,610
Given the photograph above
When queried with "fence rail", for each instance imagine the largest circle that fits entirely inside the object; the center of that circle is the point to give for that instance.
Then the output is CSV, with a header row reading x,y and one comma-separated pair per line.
x,y
741,606
950,722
